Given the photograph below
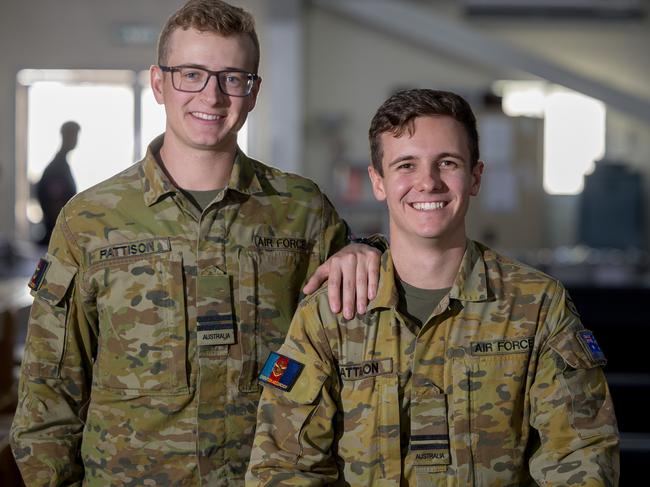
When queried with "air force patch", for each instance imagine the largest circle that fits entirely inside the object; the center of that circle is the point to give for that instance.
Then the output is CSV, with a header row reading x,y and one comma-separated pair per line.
x,y
280,371
590,345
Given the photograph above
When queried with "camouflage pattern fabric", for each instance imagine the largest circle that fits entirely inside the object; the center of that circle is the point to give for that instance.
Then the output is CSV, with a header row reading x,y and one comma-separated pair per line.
x,y
496,389
152,319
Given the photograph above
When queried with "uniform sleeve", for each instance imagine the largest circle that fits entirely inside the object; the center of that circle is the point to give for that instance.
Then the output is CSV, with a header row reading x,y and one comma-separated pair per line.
x,y
295,427
571,407
55,374
334,232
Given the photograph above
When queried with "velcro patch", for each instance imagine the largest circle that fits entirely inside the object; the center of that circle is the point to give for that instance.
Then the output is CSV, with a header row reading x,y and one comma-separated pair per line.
x,y
362,370
130,249
280,371
37,278
430,449
504,346
281,243
590,345
215,330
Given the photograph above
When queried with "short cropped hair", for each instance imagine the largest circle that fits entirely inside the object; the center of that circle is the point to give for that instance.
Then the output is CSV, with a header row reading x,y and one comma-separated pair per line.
x,y
209,16
398,113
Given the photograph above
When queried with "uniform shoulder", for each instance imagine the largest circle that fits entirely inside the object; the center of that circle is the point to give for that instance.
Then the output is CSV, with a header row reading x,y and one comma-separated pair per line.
x,y
93,207
126,180
315,307
315,300
284,183
498,264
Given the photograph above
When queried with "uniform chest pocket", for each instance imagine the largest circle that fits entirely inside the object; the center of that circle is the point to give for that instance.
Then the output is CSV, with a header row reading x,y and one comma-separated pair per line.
x,y
490,403
142,325
370,445
268,291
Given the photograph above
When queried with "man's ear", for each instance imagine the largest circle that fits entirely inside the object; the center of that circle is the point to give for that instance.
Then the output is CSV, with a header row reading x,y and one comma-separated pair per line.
x,y
477,173
377,181
157,83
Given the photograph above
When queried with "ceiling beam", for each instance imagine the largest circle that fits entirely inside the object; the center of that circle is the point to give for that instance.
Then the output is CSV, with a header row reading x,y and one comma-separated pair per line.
x,y
414,23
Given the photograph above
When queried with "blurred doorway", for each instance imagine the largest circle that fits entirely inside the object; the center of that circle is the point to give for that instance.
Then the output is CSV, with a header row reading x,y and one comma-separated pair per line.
x,y
102,102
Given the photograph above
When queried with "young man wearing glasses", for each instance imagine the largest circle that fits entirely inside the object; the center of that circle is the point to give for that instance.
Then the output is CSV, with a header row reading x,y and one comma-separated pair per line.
x,y
165,286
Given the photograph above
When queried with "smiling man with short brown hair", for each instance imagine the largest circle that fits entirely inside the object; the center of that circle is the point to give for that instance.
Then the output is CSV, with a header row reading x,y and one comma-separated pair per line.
x,y
469,368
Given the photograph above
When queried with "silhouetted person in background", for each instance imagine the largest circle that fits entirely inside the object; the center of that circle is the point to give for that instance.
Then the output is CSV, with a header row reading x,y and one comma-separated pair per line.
x,y
57,185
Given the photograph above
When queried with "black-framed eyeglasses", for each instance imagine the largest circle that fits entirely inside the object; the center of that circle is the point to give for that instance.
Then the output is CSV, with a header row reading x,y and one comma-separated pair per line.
x,y
191,79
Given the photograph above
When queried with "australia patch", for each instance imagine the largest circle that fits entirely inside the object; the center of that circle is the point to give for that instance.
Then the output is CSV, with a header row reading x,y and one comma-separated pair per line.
x,y
280,371
37,278
590,345
215,329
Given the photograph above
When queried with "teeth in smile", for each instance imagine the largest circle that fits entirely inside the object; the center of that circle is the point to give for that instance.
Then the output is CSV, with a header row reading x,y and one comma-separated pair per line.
x,y
428,206
204,116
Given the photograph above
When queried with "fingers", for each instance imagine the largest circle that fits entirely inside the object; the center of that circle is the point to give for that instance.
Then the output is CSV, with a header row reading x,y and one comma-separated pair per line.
x,y
317,278
374,263
361,286
341,284
334,288
349,286
352,279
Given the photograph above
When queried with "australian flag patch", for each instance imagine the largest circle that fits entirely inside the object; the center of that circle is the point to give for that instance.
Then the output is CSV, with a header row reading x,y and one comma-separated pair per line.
x,y
590,345
280,371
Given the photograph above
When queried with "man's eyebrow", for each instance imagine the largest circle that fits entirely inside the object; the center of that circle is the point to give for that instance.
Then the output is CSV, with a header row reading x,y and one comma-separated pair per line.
x,y
405,157
191,65
201,66
455,155
410,157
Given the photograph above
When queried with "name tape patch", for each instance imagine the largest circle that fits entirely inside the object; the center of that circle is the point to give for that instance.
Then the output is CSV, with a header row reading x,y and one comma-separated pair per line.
x,y
504,346
430,449
590,345
130,249
280,371
362,370
281,243
215,330
39,273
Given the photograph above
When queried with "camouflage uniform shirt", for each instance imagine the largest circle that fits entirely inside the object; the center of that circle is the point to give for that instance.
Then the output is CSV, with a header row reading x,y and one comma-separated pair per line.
x,y
502,386
150,320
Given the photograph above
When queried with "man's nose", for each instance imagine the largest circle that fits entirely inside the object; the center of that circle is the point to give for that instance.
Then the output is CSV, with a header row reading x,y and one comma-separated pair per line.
x,y
211,93
430,180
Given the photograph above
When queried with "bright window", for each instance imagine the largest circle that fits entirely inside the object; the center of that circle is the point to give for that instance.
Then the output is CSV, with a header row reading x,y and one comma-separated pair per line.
x,y
574,129
101,102
574,138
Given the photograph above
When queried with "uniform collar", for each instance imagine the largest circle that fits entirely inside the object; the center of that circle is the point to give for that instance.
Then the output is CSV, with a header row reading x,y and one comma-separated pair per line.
x,y
157,185
244,177
470,283
387,296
